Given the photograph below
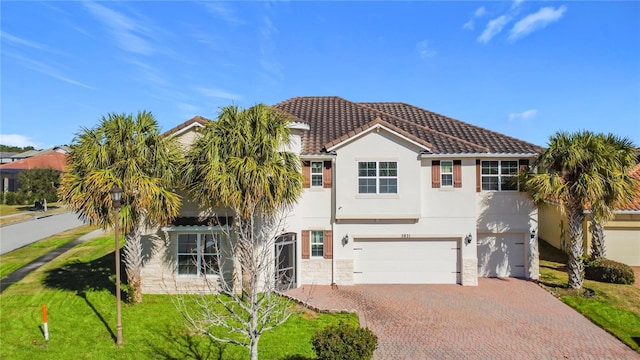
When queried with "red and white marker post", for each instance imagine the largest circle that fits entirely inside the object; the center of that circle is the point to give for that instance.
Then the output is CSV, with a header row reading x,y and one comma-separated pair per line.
x,y
46,326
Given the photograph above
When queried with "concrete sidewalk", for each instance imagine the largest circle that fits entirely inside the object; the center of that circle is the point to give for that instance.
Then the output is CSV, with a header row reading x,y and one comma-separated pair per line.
x,y
19,274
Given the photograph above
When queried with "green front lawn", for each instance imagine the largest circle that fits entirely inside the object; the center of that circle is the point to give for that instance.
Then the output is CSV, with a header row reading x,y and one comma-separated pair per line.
x,y
615,308
10,262
77,289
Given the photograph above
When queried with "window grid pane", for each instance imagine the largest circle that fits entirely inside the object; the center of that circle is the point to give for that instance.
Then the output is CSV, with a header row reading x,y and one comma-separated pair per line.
x,y
197,254
316,173
446,173
317,243
388,186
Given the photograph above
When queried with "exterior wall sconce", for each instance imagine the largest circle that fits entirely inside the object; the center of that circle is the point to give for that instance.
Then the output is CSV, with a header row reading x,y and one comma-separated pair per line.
x,y
533,233
345,240
468,238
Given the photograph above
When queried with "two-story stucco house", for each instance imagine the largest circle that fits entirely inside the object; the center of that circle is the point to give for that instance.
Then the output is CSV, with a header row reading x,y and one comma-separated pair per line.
x,y
392,194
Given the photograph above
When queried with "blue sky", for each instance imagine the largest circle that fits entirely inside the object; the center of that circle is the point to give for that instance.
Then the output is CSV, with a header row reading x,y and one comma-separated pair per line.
x,y
523,68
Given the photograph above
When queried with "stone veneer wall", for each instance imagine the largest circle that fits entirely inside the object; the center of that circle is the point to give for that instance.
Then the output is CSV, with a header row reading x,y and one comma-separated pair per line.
x,y
344,272
315,271
469,272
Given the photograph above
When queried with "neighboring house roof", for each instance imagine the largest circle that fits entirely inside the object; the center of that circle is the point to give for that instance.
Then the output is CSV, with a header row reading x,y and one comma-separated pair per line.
x,y
635,204
48,160
194,121
333,119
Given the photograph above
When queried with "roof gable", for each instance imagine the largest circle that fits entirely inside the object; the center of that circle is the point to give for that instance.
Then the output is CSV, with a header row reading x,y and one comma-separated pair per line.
x,y
377,124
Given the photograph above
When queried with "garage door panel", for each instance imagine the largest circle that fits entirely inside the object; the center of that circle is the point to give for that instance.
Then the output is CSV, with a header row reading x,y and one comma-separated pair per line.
x,y
623,245
501,255
432,261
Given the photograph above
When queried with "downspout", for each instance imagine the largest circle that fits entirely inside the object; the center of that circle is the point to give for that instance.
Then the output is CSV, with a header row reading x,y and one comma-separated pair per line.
x,y
333,220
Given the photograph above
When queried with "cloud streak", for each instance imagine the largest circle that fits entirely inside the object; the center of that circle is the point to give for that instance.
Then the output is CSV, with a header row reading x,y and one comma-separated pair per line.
x,y
129,34
48,70
525,115
425,50
494,27
220,10
218,93
536,21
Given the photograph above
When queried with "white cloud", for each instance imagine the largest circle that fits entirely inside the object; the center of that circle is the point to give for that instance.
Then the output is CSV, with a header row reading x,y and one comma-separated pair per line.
x,y
218,93
469,25
224,12
481,11
425,50
525,115
536,21
18,140
129,33
516,3
494,27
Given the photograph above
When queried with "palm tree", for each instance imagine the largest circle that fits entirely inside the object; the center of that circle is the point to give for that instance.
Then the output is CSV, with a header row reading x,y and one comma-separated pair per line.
x,y
132,154
569,173
620,187
240,163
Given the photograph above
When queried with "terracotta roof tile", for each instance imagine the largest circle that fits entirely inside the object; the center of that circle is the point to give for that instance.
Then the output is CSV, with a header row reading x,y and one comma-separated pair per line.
x,y
494,141
331,118
635,204
49,160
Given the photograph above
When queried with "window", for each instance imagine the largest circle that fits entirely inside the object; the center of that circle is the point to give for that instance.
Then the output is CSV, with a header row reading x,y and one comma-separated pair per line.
x,y
317,243
197,254
377,177
499,175
446,173
316,174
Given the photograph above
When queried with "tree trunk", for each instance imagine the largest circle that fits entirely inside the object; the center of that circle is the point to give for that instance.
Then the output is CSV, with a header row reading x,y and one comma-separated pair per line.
x,y
575,268
133,265
598,250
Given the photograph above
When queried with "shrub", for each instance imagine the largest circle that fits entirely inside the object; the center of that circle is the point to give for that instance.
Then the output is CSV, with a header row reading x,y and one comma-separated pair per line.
x,y
609,271
344,342
11,198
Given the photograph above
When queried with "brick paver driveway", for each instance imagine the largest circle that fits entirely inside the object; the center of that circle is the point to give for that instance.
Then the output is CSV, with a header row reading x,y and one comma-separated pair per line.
x,y
499,319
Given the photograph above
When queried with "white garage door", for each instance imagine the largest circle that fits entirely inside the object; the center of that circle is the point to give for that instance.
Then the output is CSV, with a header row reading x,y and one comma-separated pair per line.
x,y
623,245
420,261
501,255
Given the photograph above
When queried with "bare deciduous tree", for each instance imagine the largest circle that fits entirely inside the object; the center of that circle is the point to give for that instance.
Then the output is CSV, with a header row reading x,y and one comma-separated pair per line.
x,y
243,309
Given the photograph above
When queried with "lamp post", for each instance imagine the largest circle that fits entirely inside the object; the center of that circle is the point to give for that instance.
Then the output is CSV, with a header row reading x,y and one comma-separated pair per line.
x,y
116,196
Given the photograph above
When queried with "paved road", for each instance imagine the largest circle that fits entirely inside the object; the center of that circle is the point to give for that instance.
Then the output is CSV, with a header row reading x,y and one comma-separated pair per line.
x,y
499,319
15,236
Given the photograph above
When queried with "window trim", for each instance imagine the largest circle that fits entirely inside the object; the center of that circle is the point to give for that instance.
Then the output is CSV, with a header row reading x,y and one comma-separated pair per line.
x,y
499,175
316,174
200,252
320,244
377,177
443,173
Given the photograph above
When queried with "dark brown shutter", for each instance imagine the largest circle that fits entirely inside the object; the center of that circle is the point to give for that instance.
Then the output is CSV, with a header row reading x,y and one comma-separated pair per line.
x,y
478,182
306,174
306,244
326,175
328,244
435,173
457,173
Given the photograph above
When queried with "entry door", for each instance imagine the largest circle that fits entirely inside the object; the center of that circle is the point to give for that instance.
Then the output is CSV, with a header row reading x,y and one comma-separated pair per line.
x,y
286,262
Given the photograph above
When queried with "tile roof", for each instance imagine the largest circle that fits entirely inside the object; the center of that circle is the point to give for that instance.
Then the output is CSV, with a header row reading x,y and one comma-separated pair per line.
x,y
49,160
196,119
331,119
635,204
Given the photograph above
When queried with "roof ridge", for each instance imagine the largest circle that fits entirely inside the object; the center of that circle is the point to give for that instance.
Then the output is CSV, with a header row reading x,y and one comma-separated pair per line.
x,y
427,128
